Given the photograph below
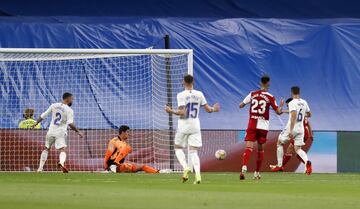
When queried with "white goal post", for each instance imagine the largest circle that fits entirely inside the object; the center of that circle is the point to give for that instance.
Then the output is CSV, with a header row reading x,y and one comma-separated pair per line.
x,y
112,87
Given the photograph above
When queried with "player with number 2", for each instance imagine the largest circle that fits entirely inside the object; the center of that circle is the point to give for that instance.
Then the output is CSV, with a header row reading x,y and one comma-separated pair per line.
x,y
258,127
62,117
188,132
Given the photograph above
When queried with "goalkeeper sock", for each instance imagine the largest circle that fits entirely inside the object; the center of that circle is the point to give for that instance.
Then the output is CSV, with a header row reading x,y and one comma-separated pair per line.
x,y
43,158
62,158
280,154
195,161
302,155
149,169
181,158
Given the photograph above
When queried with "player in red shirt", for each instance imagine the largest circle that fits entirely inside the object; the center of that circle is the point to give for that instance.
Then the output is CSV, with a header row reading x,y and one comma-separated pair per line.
x,y
308,135
260,102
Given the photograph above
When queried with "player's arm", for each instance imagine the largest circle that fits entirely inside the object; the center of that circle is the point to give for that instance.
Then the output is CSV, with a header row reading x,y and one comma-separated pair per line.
x,y
74,128
125,150
72,125
181,111
292,110
292,122
207,107
109,151
245,101
211,109
279,110
42,116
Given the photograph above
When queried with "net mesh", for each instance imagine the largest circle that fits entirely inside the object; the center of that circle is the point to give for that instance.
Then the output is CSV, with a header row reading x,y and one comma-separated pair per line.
x,y
110,90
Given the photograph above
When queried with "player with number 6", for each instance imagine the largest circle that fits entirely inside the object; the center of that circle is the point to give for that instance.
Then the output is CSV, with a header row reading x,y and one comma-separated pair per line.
x,y
260,102
62,116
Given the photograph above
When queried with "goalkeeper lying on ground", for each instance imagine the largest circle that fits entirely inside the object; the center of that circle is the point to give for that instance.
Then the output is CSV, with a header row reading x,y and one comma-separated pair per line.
x,y
116,153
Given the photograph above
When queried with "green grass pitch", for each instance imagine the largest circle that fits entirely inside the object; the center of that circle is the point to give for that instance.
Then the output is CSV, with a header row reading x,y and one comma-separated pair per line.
x,y
165,191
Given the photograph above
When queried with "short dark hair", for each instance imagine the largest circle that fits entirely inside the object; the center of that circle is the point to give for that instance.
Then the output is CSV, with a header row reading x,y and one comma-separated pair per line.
x,y
265,79
189,79
123,128
67,95
288,100
295,90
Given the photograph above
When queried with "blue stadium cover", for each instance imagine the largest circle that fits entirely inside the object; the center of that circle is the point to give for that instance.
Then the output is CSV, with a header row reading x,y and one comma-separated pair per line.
x,y
321,56
185,8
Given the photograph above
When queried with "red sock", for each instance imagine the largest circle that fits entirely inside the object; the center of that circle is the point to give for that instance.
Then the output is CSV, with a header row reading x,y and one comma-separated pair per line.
x,y
286,159
246,155
260,157
298,157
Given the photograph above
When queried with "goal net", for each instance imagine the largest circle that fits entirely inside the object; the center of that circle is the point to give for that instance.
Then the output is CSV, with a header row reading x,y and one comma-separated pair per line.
x,y
111,88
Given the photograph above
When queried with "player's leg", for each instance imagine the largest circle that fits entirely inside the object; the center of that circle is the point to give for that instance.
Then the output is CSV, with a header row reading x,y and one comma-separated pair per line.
x,y
149,169
298,143
288,154
60,145
43,159
249,144
259,160
49,141
282,139
195,143
261,139
180,143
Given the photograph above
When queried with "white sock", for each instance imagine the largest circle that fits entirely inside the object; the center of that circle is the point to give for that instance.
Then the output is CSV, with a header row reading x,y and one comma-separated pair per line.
x,y
303,155
43,158
181,158
195,161
62,158
280,154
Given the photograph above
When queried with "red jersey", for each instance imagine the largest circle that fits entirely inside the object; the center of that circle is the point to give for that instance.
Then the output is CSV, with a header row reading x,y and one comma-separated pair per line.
x,y
260,102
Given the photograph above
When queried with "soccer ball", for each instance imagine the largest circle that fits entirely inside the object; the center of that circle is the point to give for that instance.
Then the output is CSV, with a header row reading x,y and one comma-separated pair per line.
x,y
220,154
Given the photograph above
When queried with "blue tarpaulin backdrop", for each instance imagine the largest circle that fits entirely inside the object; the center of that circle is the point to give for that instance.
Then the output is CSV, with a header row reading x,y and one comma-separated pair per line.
x,y
321,56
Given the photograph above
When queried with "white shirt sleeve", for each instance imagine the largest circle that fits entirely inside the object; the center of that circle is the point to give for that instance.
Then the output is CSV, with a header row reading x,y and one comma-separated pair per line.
x,y
46,113
292,106
180,100
70,118
247,99
203,100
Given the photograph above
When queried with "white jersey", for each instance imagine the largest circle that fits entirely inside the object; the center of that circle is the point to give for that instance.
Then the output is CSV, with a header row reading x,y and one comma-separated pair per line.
x,y
192,100
61,116
301,107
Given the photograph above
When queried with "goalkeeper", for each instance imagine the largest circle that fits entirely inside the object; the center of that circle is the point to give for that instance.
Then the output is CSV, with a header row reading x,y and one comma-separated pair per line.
x,y
116,153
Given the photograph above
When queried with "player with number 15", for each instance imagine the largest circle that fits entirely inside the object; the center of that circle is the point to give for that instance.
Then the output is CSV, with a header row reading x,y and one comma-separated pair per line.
x,y
62,117
188,131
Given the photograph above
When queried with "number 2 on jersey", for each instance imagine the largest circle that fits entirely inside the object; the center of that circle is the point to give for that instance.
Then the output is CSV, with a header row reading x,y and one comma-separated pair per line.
x,y
191,110
57,119
258,106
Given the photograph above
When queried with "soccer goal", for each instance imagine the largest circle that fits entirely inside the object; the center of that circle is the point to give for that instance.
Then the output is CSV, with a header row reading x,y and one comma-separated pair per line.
x,y
111,87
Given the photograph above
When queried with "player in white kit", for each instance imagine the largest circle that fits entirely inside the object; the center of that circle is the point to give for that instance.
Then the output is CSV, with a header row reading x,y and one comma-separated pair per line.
x,y
188,132
298,110
62,116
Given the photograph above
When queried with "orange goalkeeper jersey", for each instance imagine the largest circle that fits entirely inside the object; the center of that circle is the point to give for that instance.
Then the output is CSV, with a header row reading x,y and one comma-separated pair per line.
x,y
117,151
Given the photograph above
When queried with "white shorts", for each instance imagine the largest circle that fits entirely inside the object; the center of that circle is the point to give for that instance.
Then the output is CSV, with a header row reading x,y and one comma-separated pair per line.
x,y
193,140
58,139
298,137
